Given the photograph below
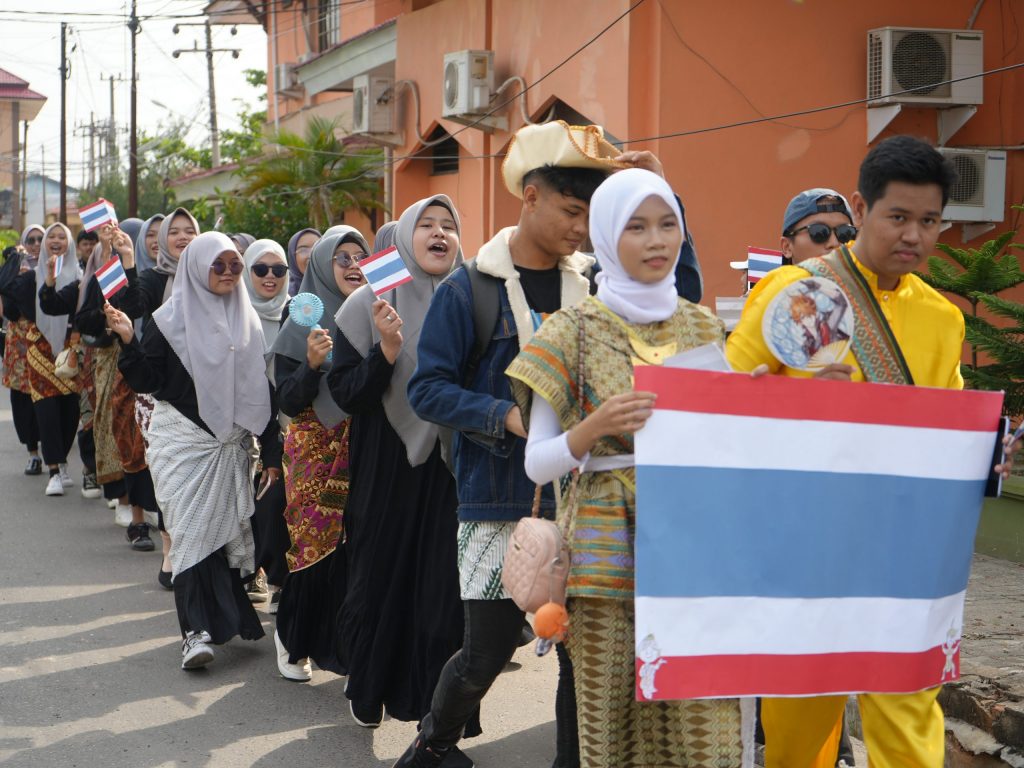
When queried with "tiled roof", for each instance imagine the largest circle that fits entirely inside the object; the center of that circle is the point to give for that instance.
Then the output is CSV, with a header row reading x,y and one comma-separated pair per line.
x,y
13,87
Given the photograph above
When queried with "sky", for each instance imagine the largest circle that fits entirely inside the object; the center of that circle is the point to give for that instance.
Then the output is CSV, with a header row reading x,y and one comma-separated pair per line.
x,y
30,31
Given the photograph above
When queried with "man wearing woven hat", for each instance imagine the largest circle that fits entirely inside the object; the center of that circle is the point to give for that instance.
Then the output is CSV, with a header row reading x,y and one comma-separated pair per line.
x,y
527,272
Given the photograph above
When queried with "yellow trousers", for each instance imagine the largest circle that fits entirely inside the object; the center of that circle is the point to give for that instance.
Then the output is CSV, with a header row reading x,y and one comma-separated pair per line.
x,y
900,730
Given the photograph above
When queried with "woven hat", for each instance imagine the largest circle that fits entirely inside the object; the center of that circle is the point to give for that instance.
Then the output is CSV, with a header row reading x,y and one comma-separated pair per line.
x,y
557,144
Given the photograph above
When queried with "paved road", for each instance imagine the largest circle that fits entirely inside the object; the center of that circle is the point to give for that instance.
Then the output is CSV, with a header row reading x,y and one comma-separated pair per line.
x,y
90,656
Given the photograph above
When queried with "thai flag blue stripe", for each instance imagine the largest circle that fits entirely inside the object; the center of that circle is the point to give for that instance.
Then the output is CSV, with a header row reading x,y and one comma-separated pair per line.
x,y
376,273
801,534
762,265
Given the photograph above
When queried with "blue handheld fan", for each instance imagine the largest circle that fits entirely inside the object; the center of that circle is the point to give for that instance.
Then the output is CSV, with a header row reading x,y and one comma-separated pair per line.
x,y
306,310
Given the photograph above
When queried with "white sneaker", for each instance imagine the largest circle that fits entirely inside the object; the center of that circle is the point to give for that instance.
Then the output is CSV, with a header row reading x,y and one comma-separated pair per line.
x,y
300,673
195,650
65,476
152,518
123,515
111,503
54,487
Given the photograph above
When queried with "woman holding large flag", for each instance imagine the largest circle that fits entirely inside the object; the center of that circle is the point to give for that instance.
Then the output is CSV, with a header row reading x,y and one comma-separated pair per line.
x,y
202,358
15,375
402,616
120,453
54,399
315,464
637,317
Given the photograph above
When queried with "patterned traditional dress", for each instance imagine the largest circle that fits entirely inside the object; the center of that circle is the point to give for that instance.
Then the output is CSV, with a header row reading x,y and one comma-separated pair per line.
x,y
16,356
43,381
614,729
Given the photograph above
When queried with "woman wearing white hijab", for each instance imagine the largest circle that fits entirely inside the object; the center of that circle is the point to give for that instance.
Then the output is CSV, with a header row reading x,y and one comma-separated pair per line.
x,y
402,615
266,279
15,368
636,227
54,400
315,464
202,358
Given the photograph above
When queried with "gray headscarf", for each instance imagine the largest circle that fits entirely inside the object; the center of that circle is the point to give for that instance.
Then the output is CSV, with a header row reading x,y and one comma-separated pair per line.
x,y
143,260
269,310
385,237
411,300
24,236
242,240
165,263
55,327
295,274
219,341
319,280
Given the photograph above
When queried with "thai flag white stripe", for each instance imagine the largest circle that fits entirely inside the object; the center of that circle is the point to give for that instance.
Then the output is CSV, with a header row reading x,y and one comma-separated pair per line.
x,y
392,281
795,626
813,446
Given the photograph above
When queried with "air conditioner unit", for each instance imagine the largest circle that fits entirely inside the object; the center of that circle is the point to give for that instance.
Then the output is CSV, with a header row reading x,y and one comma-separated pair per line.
x,y
468,83
286,81
924,61
980,191
373,109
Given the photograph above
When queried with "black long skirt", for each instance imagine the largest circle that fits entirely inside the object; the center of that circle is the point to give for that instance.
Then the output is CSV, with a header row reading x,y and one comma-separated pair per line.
x,y
270,534
211,596
402,615
310,600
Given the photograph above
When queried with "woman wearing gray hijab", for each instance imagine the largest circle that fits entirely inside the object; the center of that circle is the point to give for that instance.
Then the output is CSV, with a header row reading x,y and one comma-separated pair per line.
x,y
54,400
242,241
146,246
300,245
202,358
402,615
15,368
315,463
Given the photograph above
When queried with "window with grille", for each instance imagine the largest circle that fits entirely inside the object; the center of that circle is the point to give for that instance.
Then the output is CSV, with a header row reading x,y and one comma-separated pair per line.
x,y
328,24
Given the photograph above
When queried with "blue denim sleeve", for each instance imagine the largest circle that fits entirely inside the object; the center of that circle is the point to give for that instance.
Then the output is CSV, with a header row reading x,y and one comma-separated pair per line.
x,y
436,390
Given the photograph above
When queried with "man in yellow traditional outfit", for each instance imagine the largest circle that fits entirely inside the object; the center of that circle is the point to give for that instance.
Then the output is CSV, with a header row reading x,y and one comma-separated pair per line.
x,y
905,333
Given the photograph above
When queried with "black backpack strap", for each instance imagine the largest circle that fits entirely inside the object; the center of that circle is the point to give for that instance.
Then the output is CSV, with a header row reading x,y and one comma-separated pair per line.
x,y
486,298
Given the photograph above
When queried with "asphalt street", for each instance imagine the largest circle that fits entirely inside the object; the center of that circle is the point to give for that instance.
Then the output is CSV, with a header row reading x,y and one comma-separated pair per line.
x,y
90,663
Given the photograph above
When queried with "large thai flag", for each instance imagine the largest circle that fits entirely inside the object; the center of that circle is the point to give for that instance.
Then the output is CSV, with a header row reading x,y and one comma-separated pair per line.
x,y
798,537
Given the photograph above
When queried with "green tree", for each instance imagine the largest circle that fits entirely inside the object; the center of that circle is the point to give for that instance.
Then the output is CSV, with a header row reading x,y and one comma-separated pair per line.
x,y
977,276
319,171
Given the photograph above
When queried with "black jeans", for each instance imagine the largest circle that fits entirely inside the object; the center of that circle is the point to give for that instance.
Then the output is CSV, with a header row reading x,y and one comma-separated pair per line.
x,y
493,629
25,420
57,419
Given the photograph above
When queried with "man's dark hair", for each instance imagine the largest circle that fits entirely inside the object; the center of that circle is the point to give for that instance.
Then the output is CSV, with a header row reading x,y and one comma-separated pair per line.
x,y
906,159
571,182
90,236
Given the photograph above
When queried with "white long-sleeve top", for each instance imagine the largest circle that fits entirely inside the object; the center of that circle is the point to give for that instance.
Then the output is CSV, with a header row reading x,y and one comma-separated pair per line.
x,y
547,447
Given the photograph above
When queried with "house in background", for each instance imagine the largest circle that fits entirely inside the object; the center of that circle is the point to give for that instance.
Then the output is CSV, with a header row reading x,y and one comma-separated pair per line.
x,y
19,105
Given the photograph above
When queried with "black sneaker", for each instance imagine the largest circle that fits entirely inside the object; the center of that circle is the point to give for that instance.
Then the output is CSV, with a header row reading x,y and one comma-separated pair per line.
x,y
366,715
257,588
420,755
138,535
90,488
34,466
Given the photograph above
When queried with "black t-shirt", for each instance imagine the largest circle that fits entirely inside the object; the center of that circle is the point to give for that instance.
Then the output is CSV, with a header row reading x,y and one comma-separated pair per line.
x,y
543,289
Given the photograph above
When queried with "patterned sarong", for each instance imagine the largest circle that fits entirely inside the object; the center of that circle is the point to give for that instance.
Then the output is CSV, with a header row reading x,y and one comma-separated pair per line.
x,y
315,464
204,488
43,381
109,468
16,357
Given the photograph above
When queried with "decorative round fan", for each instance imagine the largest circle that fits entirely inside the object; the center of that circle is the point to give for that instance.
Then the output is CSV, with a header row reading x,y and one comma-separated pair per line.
x,y
809,324
306,310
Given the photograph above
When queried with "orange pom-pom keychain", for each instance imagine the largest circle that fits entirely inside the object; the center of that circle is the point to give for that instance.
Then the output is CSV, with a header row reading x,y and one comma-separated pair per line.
x,y
551,622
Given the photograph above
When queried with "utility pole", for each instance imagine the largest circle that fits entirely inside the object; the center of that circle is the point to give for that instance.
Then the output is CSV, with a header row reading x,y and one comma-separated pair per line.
x,y
210,50
42,172
112,153
133,139
16,222
24,176
63,122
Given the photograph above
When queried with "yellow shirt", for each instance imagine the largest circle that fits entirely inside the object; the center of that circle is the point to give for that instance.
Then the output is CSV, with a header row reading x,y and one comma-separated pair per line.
x,y
928,327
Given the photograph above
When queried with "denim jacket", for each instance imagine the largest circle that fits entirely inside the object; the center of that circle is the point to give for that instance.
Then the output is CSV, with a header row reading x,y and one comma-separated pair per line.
x,y
488,461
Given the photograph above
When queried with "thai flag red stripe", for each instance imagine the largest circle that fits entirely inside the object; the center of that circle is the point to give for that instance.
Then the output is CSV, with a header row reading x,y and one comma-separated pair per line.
x,y
685,677
813,400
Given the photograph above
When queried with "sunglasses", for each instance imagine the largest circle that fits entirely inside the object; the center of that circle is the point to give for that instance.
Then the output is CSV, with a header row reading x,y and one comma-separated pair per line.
x,y
219,267
820,233
261,270
33,240
344,260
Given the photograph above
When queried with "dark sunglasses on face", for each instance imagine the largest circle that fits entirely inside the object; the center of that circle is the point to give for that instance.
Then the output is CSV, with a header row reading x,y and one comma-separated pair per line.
x,y
346,260
279,270
219,267
820,233
33,240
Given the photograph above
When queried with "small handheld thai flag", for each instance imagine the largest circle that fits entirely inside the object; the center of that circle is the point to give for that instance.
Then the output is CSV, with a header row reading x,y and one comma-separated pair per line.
x,y
761,261
97,214
385,270
745,487
111,277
